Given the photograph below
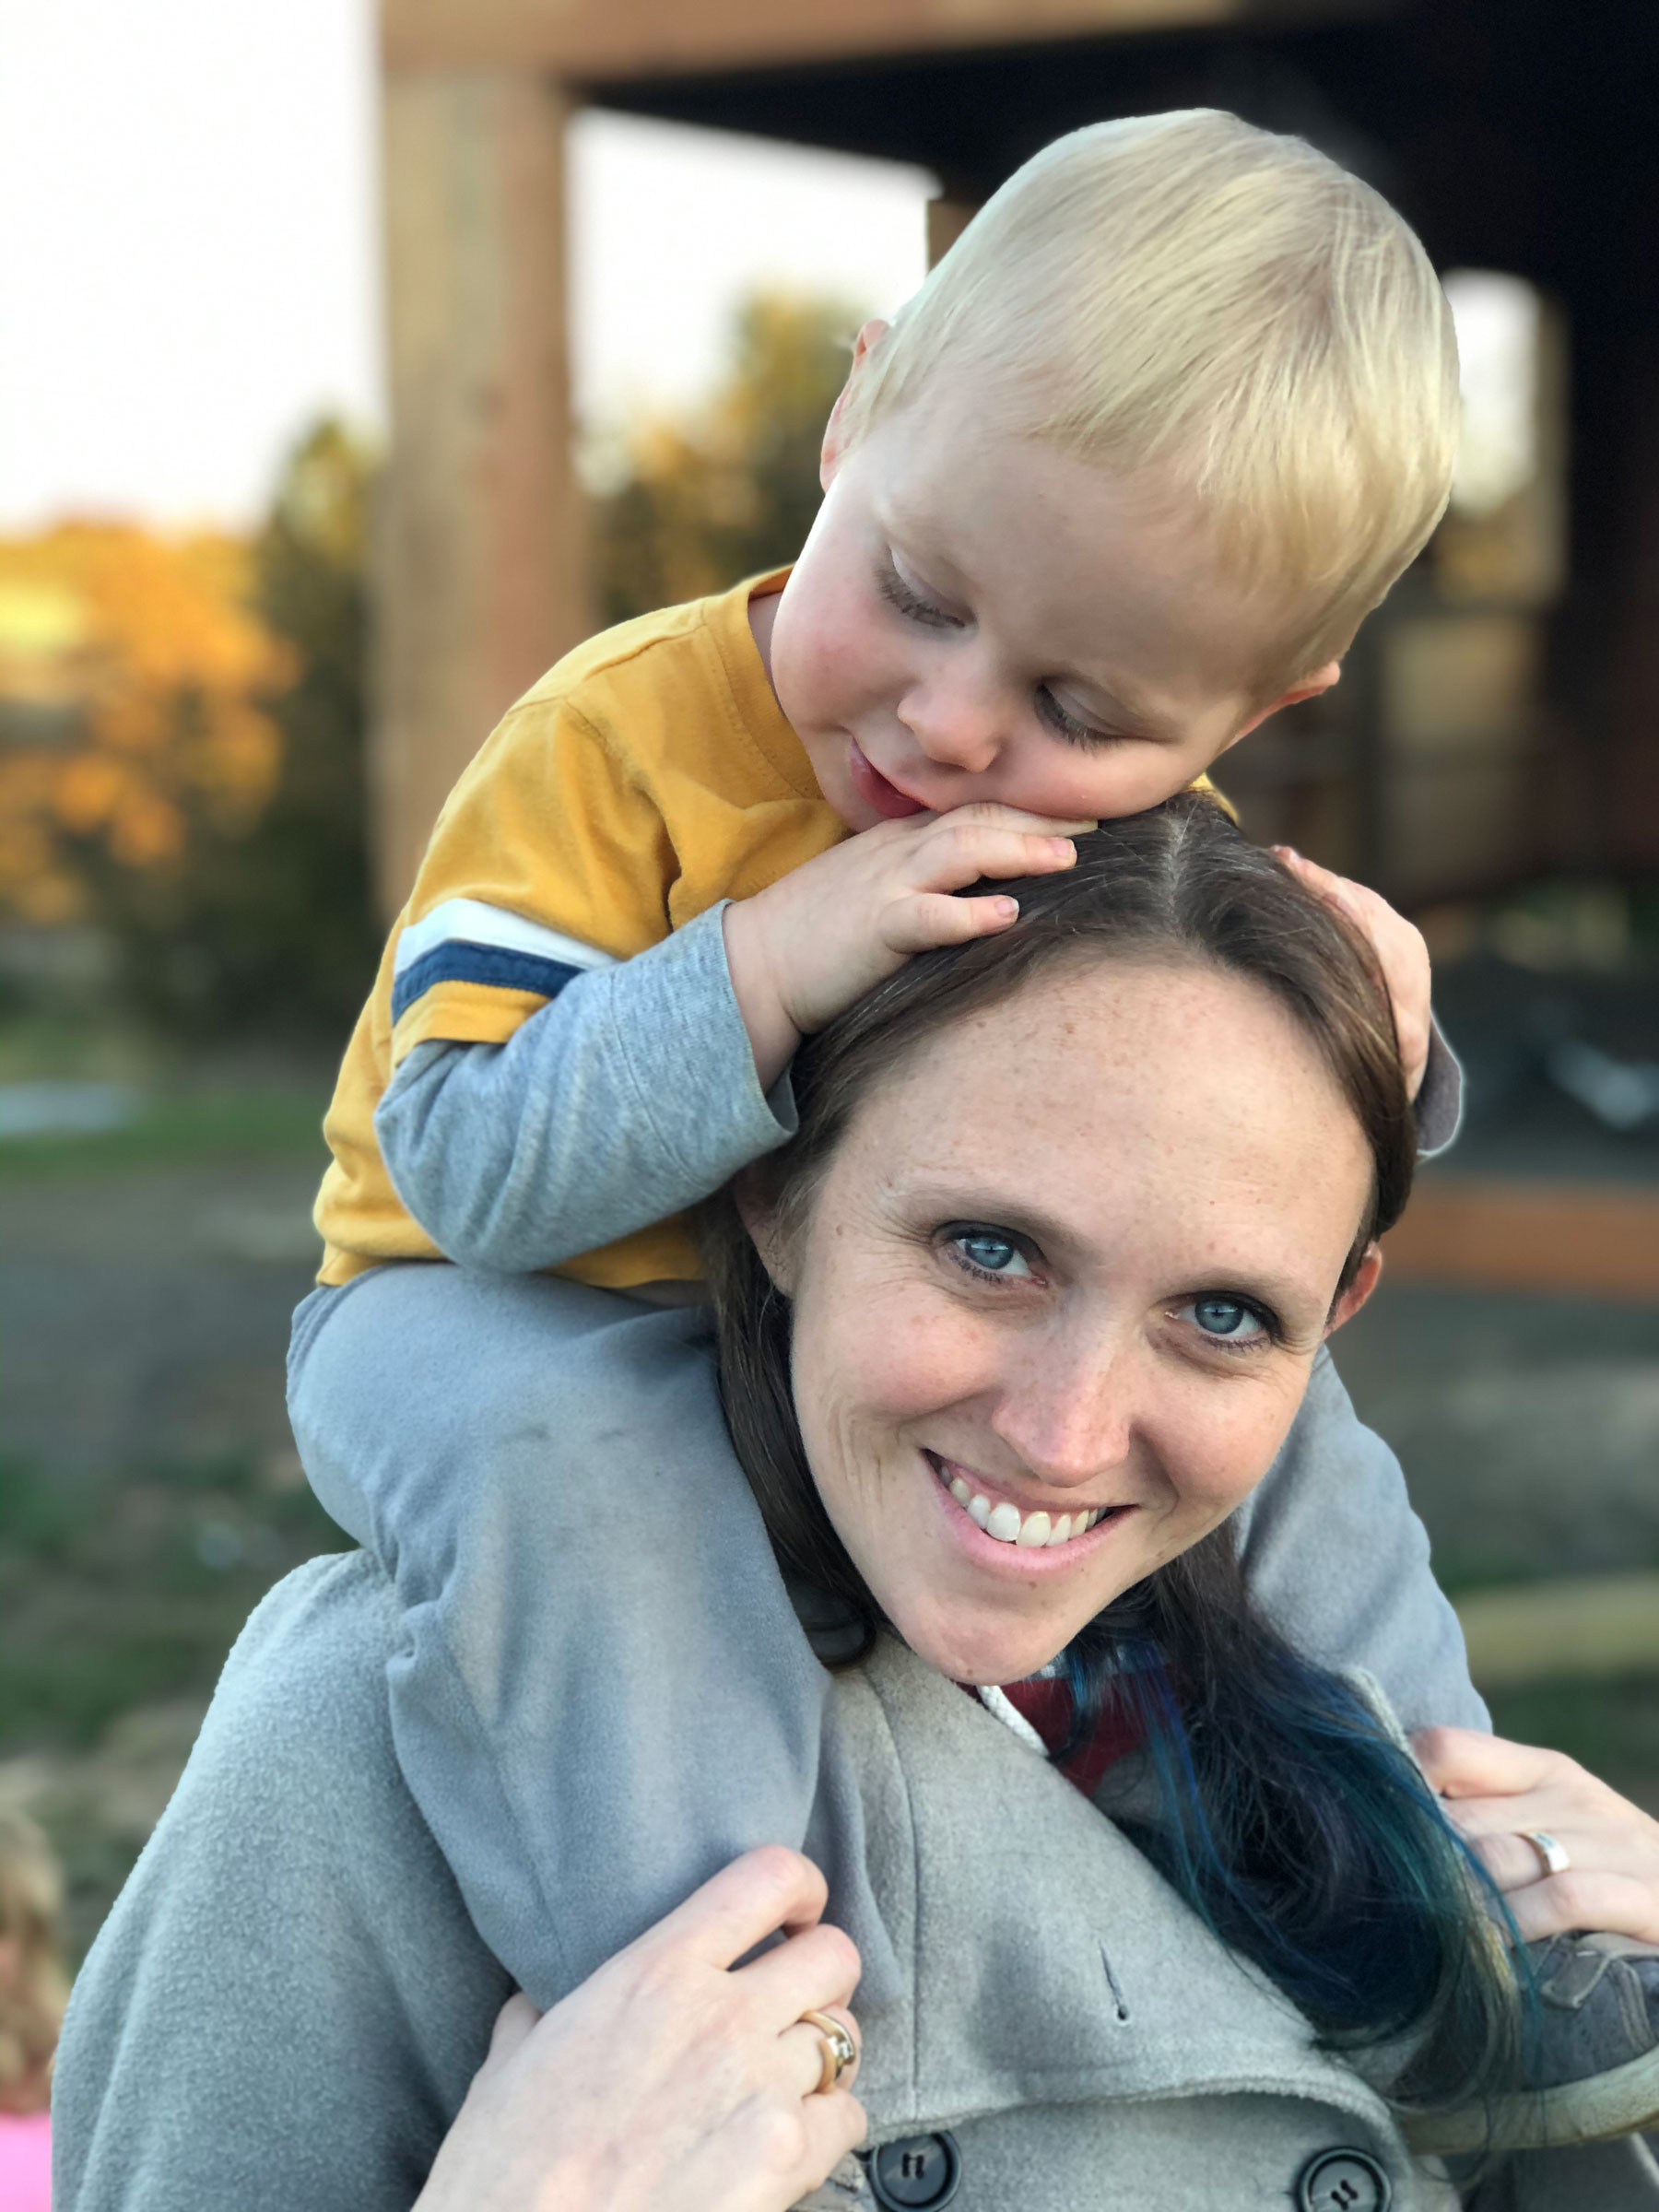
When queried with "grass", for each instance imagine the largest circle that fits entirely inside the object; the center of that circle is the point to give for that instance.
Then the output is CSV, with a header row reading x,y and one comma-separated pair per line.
x,y
119,1593
1610,1727
177,1126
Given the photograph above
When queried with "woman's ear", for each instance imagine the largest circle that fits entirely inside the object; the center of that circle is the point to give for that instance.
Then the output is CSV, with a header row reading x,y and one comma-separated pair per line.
x,y
759,1217
1366,1278
834,449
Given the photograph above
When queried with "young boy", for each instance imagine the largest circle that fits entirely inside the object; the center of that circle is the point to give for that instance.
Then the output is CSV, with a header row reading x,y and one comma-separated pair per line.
x,y
1119,481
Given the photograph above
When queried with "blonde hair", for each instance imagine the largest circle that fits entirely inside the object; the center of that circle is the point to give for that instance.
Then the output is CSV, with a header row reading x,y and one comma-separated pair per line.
x,y
1187,292
33,1987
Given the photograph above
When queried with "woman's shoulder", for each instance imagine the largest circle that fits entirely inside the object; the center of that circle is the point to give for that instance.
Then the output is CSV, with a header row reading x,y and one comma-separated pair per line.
x,y
280,1947
308,1669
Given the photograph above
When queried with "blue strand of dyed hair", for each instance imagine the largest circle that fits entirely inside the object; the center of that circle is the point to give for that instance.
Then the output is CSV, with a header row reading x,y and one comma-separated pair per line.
x,y
1302,1834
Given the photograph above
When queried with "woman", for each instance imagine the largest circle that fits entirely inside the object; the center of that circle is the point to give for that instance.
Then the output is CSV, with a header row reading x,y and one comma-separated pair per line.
x,y
1000,1402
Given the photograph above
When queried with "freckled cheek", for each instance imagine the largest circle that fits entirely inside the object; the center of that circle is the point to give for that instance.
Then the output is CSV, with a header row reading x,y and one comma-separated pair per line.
x,y
1224,1449
911,1357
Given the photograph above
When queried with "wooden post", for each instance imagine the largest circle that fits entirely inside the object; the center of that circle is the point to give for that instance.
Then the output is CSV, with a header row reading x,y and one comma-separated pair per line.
x,y
480,580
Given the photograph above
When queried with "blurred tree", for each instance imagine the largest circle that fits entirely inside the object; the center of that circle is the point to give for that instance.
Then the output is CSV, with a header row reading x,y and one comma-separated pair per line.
x,y
138,713
208,809
732,489
279,923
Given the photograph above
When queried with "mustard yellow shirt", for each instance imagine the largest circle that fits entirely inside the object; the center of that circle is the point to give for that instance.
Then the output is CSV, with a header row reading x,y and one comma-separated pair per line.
x,y
647,776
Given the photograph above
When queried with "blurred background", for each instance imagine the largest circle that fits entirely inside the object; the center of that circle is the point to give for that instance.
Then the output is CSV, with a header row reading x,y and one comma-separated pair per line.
x,y
354,369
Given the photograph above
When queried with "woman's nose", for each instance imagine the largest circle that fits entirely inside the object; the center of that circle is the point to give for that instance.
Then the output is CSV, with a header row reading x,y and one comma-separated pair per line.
x,y
1072,1415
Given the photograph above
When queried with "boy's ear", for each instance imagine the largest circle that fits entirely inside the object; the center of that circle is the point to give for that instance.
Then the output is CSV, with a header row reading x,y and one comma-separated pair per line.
x,y
1309,687
1366,1278
834,449
759,1217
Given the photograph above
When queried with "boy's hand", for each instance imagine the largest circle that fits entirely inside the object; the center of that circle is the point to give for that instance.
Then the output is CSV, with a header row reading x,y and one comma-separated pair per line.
x,y
1401,954
805,948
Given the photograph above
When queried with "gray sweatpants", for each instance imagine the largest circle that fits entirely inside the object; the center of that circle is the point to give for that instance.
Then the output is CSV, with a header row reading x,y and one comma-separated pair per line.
x,y
558,1553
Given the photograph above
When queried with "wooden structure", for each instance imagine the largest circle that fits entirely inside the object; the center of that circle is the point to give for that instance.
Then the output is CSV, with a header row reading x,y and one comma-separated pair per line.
x,y
1515,134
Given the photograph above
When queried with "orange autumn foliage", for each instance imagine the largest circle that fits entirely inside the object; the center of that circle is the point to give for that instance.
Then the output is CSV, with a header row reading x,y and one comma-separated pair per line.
x,y
135,681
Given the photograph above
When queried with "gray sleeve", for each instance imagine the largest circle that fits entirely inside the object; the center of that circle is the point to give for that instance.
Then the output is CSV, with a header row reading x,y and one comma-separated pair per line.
x,y
625,1099
288,2002
1339,1561
1439,1100
599,1694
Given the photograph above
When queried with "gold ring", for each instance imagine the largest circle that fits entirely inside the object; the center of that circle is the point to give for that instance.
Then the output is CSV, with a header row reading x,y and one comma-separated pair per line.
x,y
1552,1856
836,2047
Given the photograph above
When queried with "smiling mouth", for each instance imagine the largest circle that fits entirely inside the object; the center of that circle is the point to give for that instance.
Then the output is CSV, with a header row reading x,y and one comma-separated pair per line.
x,y
1005,1523
874,790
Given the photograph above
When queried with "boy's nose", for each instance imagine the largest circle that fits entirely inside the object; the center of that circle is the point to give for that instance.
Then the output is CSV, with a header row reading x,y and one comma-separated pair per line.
x,y
954,731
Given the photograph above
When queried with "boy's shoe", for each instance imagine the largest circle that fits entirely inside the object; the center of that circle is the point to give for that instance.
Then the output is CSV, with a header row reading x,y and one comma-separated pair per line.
x,y
1597,2056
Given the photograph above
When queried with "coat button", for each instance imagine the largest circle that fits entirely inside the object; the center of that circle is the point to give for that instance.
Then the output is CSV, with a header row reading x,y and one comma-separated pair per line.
x,y
1343,2181
921,2171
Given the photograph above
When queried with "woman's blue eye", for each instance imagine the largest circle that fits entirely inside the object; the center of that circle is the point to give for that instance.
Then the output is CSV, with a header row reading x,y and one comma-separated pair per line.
x,y
1228,1317
996,1256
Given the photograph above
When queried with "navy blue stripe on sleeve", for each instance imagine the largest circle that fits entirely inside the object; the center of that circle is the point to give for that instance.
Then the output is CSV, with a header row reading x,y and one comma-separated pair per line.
x,y
456,961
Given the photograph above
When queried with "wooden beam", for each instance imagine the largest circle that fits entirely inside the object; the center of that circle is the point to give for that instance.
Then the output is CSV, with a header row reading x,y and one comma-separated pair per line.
x,y
595,39
1596,1239
480,571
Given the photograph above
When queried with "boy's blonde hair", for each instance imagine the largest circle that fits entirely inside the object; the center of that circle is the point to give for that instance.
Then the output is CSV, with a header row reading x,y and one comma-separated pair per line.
x,y
1187,292
33,1985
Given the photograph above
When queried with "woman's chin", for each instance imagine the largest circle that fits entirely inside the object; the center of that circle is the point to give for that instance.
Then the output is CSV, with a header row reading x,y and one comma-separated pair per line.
x,y
983,1651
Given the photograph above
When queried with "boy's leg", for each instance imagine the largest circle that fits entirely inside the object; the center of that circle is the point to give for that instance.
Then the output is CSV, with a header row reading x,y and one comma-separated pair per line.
x,y
604,1694
1338,1560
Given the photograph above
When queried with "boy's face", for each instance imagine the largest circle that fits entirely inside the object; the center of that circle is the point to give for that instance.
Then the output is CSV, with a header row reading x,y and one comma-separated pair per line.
x,y
979,616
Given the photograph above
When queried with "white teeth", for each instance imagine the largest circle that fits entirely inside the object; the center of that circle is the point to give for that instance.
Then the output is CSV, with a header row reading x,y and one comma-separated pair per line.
x,y
1030,1532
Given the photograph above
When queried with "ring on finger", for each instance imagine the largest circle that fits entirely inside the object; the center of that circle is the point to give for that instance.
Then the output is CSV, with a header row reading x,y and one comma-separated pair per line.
x,y
1553,1857
836,2050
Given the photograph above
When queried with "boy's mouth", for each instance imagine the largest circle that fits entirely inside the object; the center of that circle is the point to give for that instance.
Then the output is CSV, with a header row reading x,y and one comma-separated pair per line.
x,y
874,790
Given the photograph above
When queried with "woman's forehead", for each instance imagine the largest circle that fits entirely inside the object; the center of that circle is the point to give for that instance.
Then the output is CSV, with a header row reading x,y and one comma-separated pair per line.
x,y
1121,1080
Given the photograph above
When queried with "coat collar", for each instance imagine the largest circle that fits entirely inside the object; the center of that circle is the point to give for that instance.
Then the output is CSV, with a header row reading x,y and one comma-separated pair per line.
x,y
1031,1953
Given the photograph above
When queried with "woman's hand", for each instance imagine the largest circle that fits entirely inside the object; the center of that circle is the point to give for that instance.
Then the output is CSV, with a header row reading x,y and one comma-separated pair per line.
x,y
1496,1791
670,2077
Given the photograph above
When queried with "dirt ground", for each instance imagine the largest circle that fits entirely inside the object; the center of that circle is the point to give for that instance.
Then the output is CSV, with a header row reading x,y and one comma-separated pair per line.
x,y
149,1491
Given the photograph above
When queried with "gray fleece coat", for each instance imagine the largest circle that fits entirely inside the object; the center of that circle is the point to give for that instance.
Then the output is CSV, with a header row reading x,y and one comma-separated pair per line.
x,y
285,2006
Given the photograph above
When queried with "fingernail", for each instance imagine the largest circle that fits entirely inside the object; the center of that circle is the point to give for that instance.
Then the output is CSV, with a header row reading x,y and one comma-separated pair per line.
x,y
1063,848
1007,909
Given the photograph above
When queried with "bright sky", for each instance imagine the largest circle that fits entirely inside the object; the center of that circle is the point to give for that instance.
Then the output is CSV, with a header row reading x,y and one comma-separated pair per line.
x,y
188,248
